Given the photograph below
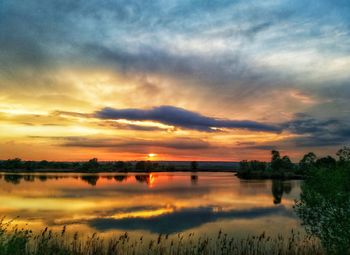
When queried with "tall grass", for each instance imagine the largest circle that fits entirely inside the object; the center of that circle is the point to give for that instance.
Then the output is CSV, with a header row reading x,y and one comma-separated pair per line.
x,y
20,241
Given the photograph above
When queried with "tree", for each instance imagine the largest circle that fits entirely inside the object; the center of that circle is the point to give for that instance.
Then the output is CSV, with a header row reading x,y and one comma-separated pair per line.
x,y
344,154
15,163
307,162
309,158
324,208
287,164
120,165
275,155
276,162
91,165
43,164
194,165
244,166
326,162
145,166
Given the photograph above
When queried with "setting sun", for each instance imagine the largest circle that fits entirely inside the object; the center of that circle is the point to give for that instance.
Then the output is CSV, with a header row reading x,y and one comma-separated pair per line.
x,y
151,156
182,126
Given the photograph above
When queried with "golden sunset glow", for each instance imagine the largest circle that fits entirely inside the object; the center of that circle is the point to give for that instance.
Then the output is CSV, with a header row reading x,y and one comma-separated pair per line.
x,y
120,89
54,201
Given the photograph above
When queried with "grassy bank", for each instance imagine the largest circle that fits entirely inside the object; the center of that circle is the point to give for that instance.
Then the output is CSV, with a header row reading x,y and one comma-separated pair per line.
x,y
14,241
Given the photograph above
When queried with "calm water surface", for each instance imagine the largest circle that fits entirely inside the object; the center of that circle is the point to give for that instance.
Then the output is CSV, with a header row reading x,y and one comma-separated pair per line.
x,y
149,204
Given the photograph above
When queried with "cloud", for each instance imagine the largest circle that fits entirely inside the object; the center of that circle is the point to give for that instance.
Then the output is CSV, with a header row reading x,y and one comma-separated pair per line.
x,y
180,117
175,143
242,59
318,132
307,132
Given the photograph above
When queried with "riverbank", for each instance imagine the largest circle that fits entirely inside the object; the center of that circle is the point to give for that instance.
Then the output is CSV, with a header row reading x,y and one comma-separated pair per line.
x,y
262,175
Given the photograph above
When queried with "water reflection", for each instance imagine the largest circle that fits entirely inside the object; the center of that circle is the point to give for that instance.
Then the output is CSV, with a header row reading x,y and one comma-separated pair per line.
x,y
194,179
91,179
120,178
150,202
279,188
182,220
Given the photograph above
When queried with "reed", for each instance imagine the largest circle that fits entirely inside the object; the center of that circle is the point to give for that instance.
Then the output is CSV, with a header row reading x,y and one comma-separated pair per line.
x,y
21,241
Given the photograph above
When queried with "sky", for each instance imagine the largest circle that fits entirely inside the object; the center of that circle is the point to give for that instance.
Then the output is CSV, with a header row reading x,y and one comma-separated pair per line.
x,y
181,80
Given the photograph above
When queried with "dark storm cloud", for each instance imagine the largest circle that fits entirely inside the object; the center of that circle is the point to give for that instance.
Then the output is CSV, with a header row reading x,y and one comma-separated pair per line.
x,y
180,117
182,220
316,132
311,131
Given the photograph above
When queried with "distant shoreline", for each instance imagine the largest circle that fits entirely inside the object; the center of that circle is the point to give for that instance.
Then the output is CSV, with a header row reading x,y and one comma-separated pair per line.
x,y
19,171
251,176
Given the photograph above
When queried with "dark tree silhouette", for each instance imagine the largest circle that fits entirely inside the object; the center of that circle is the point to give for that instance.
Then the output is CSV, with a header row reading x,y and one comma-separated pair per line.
x,y
308,162
146,166
326,162
91,165
344,154
194,165
276,161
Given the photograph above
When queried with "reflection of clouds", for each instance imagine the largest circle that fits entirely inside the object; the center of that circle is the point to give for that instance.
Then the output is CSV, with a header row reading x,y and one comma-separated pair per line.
x,y
67,199
182,220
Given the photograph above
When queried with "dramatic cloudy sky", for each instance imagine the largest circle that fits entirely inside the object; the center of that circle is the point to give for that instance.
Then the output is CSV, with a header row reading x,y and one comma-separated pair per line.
x,y
202,80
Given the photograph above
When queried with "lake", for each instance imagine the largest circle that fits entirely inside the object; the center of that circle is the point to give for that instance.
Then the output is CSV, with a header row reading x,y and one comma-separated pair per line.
x,y
149,204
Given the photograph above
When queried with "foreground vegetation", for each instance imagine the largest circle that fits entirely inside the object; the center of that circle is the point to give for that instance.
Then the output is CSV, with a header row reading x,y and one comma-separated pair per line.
x,y
281,167
324,207
14,241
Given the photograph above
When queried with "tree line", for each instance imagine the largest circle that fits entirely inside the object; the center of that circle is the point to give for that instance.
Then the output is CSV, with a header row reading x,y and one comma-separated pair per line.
x,y
282,167
92,165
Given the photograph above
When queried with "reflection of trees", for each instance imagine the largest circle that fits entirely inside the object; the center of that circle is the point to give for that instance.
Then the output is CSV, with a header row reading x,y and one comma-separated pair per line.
x,y
120,178
29,178
42,178
146,178
90,179
277,191
142,178
278,188
13,178
287,187
324,208
17,178
194,179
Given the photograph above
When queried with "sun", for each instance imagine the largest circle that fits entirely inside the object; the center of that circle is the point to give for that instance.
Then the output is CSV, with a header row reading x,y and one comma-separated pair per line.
x,y
151,156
